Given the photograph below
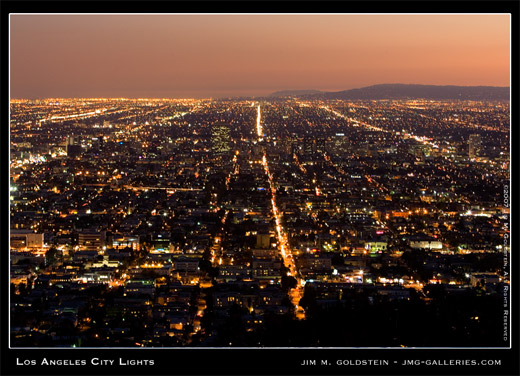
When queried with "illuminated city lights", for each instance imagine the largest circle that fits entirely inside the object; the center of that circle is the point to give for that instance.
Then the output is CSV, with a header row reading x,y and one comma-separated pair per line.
x,y
190,210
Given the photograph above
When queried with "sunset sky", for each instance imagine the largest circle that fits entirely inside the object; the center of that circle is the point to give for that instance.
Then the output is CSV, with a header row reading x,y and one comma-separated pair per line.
x,y
202,56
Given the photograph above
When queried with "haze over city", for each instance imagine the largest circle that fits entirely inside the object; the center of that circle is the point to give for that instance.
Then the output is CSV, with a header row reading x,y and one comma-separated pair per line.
x,y
201,56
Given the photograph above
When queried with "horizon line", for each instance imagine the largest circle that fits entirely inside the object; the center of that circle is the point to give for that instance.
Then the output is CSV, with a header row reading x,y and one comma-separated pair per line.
x,y
273,91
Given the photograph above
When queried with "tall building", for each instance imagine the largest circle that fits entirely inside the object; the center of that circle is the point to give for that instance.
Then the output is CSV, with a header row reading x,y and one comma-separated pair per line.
x,y
321,145
340,144
309,146
97,143
474,145
73,146
91,240
220,139
25,239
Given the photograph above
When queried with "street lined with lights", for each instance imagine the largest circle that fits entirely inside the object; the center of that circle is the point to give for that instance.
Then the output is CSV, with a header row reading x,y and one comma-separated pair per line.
x,y
285,250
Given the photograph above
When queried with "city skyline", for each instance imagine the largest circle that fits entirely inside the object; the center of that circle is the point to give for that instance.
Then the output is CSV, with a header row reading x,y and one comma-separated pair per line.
x,y
202,56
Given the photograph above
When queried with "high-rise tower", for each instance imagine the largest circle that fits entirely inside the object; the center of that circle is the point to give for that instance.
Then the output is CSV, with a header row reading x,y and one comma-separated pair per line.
x,y
220,139
474,145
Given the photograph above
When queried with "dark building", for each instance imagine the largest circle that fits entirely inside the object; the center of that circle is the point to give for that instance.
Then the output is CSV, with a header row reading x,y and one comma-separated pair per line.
x,y
73,146
474,145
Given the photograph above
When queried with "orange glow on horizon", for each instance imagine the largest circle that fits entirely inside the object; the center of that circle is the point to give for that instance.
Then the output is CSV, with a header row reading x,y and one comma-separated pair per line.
x,y
160,56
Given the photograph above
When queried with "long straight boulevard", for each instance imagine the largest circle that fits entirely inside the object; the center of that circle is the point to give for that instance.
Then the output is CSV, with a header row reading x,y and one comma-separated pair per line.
x,y
283,243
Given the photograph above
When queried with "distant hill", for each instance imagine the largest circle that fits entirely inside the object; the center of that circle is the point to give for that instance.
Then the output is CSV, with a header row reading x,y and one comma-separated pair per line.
x,y
409,91
294,93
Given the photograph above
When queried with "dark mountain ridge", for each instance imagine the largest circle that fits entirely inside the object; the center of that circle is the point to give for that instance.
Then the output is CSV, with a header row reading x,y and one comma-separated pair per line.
x,y
413,91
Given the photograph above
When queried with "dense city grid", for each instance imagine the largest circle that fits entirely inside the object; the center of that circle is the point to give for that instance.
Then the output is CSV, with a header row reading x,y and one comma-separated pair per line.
x,y
276,222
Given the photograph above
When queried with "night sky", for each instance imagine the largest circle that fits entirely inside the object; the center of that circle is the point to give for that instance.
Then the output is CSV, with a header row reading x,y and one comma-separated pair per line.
x,y
200,56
